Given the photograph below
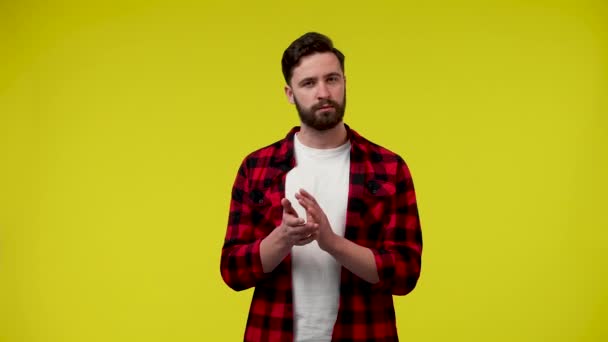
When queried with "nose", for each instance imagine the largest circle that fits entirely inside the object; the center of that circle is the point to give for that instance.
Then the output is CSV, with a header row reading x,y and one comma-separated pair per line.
x,y
322,90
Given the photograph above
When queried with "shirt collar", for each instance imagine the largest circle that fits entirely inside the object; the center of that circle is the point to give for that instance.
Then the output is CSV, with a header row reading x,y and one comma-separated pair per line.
x,y
285,155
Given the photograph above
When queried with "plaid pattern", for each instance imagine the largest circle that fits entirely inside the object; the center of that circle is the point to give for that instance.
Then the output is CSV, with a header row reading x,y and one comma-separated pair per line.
x,y
382,215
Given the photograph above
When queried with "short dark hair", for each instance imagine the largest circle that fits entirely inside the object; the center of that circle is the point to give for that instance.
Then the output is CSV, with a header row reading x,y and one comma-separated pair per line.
x,y
308,44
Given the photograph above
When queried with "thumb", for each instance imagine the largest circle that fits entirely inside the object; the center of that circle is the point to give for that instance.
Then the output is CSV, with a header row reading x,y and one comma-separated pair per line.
x,y
309,216
288,208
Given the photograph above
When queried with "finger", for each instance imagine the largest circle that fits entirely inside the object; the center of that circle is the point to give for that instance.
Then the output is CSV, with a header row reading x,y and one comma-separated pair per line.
x,y
313,215
300,195
311,209
288,208
308,238
301,231
292,221
310,217
307,203
305,241
307,195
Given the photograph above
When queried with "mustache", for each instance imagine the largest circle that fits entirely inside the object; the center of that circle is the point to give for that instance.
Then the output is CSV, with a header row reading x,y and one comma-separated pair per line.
x,y
324,103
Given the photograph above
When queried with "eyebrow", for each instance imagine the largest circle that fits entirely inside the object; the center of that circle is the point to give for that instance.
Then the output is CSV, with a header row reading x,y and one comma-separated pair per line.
x,y
334,74
304,80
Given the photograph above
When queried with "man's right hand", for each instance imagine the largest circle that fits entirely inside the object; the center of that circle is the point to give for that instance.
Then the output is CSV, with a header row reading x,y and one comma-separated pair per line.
x,y
293,231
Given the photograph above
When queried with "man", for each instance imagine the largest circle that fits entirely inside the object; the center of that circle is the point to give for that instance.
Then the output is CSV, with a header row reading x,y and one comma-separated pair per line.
x,y
323,223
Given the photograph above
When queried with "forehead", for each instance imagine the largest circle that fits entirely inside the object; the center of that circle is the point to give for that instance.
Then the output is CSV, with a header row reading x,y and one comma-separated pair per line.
x,y
316,65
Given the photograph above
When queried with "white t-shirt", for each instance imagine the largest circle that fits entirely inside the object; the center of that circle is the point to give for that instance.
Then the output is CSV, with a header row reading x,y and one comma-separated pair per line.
x,y
324,173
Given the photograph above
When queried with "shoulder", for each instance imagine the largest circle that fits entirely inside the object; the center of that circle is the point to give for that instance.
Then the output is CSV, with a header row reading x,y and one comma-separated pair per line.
x,y
375,153
262,156
270,156
384,166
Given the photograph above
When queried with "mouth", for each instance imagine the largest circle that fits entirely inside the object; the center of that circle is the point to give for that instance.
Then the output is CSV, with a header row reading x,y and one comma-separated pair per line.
x,y
325,108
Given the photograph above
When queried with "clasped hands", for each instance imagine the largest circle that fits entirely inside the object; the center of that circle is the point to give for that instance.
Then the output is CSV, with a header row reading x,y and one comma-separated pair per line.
x,y
296,231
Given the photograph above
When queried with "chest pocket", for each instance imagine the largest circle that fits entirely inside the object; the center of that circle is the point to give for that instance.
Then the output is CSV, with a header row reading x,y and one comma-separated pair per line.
x,y
379,189
369,209
377,199
373,194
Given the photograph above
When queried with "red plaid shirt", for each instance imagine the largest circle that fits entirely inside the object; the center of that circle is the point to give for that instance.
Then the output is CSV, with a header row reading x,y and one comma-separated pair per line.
x,y
382,215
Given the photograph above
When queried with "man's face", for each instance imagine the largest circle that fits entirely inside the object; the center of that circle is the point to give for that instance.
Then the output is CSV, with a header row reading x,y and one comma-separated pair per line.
x,y
317,88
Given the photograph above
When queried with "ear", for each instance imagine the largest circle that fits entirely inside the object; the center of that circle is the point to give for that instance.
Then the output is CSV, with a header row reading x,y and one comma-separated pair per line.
x,y
289,94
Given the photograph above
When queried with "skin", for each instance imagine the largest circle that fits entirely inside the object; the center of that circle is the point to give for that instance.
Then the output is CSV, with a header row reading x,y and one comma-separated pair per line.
x,y
317,88
317,79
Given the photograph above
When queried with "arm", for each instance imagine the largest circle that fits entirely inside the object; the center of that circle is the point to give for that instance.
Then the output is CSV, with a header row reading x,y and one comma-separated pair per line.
x,y
292,231
357,259
240,264
245,260
396,265
399,259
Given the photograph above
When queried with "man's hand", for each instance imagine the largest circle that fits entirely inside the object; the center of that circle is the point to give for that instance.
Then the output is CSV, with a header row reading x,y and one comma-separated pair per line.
x,y
325,235
357,259
294,231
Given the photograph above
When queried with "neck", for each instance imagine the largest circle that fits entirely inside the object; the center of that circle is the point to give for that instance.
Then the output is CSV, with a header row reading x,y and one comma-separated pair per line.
x,y
330,138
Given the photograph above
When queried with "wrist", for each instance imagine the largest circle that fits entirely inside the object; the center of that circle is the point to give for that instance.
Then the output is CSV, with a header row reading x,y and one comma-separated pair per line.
x,y
273,249
278,237
331,244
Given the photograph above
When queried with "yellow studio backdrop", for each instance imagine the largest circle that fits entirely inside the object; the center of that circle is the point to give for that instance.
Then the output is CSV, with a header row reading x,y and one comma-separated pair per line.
x,y
122,125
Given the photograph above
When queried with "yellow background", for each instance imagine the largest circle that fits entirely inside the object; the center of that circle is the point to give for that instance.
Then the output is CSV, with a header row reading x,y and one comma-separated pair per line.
x,y
122,125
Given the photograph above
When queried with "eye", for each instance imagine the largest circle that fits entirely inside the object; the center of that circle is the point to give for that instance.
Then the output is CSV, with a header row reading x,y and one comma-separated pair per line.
x,y
333,79
307,84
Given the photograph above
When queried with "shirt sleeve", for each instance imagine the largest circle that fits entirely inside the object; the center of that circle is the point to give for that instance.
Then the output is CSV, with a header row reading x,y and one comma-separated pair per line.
x,y
241,265
399,259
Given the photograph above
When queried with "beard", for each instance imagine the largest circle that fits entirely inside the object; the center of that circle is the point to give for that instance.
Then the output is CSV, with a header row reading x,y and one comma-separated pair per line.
x,y
325,120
